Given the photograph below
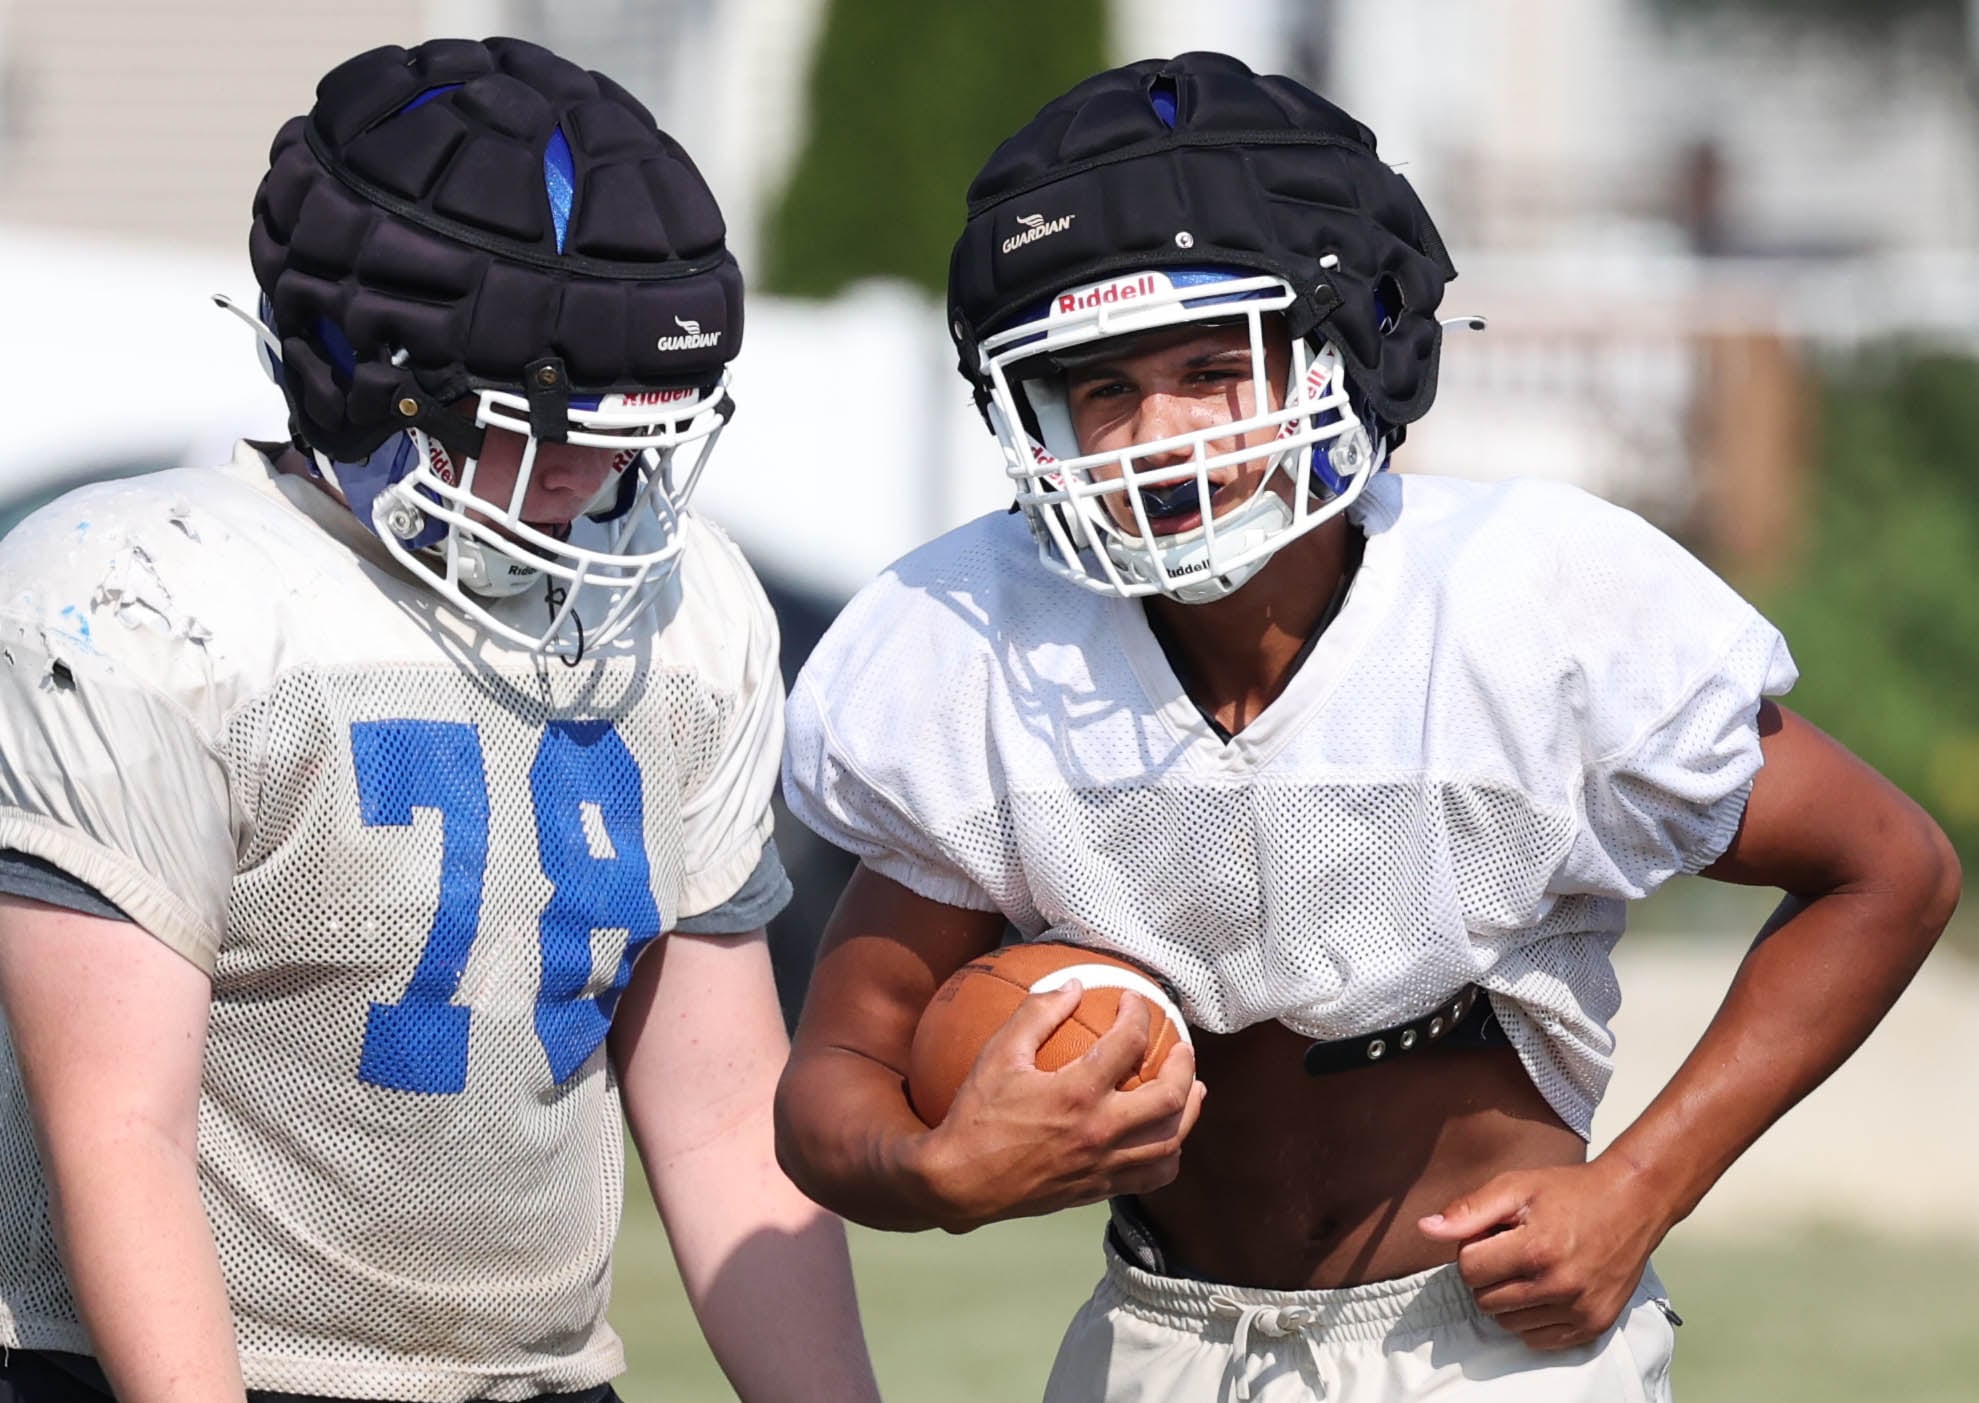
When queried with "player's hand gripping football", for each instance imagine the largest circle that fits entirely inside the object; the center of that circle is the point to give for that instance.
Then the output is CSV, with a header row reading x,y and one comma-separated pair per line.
x,y
1554,1255
1019,1141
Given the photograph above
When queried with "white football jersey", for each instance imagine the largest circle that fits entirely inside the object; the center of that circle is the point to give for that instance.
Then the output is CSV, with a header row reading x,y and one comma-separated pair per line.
x,y
1532,708
418,865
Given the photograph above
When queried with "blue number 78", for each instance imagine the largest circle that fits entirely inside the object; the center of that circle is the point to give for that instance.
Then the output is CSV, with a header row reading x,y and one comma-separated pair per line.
x,y
590,839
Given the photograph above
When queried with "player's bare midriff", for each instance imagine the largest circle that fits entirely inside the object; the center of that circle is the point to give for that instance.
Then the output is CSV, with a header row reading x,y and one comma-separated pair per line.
x,y
1296,1182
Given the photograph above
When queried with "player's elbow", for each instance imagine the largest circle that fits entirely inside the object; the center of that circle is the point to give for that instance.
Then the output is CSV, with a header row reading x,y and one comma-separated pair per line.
x,y
804,1145
791,1141
1941,880
1918,876
843,1152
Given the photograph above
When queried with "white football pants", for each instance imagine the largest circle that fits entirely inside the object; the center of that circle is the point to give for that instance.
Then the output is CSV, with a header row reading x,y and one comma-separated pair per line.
x,y
1144,1338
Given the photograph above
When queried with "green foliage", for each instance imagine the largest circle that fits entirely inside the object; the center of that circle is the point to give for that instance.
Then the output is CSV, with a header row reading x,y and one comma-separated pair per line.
x,y
906,102
1883,612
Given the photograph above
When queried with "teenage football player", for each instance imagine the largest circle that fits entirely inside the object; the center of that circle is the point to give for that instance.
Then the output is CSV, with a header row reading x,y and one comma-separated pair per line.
x,y
387,811
1365,767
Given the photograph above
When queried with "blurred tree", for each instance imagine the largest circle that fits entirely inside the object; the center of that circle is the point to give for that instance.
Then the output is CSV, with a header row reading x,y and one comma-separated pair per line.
x,y
907,99
1883,612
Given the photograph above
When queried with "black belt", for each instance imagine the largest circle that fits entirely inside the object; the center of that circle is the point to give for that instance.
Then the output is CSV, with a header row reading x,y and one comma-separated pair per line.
x,y
1463,1021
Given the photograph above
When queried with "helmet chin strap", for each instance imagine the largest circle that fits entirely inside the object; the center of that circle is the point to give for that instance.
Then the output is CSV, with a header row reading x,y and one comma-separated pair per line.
x,y
1186,560
492,574
1186,557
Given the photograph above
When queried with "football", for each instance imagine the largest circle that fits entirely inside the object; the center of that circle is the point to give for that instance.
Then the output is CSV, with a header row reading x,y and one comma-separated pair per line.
x,y
980,997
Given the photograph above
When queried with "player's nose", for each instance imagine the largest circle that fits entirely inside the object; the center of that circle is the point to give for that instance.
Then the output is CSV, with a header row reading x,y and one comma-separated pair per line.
x,y
563,467
1165,416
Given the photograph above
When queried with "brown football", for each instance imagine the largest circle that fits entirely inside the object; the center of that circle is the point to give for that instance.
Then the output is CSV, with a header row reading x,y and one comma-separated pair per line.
x,y
980,997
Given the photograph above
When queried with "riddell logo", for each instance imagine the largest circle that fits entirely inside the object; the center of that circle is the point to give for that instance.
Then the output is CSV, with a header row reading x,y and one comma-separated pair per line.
x,y
1121,290
1036,227
443,467
694,339
639,399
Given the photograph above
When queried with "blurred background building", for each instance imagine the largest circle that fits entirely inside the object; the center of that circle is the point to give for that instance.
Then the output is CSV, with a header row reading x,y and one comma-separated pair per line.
x,y
1728,250
1669,210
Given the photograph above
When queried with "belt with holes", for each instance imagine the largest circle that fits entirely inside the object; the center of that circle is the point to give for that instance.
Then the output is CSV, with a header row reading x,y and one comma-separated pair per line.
x,y
1468,1010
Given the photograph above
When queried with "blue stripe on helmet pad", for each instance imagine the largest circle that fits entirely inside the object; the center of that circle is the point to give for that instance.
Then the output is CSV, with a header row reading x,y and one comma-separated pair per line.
x,y
426,97
559,177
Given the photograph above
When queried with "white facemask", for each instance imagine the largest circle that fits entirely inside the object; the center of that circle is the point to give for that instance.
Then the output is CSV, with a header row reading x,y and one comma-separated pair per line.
x,y
1318,457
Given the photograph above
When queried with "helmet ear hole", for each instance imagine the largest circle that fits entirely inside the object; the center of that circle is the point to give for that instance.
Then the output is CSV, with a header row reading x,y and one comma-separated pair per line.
x,y
1389,304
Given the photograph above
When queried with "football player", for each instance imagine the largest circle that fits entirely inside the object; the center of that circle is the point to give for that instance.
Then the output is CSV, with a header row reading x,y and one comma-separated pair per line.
x,y
1365,767
387,811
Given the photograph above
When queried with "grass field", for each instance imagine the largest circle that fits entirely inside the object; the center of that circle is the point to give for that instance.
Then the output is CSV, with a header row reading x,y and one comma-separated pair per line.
x,y
1831,1316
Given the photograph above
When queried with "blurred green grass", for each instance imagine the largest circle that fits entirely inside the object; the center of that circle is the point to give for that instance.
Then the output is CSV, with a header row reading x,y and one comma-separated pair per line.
x,y
1829,1315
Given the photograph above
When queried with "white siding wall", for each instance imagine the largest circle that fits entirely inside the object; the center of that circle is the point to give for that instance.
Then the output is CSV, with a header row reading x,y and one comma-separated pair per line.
x,y
154,120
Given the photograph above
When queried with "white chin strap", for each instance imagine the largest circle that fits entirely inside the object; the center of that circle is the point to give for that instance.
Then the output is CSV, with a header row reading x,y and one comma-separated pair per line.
x,y
1186,557
492,574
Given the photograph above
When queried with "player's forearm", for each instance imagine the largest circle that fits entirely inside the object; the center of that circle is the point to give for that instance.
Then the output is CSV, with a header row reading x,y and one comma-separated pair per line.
x,y
752,1248
1806,996
801,1278
141,1260
846,1135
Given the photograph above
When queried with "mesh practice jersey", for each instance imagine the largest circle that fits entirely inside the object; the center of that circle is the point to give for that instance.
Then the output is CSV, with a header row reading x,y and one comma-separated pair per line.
x,y
1532,708
417,864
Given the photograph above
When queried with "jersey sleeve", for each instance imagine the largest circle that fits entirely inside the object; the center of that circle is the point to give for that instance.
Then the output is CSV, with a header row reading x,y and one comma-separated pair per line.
x,y
755,903
855,716
726,818
114,784
21,875
1671,665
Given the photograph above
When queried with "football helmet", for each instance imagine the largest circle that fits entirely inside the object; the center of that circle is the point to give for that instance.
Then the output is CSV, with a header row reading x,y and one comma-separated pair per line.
x,y
465,237
1184,191
1319,445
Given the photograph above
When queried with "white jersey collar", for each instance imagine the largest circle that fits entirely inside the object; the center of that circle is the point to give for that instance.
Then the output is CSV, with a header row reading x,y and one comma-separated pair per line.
x,y
1310,686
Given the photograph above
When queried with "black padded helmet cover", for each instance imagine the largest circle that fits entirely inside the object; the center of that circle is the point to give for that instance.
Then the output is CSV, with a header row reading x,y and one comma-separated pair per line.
x,y
1255,172
409,210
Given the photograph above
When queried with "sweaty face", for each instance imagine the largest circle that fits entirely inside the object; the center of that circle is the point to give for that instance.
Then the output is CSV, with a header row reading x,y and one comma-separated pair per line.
x,y
1180,381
